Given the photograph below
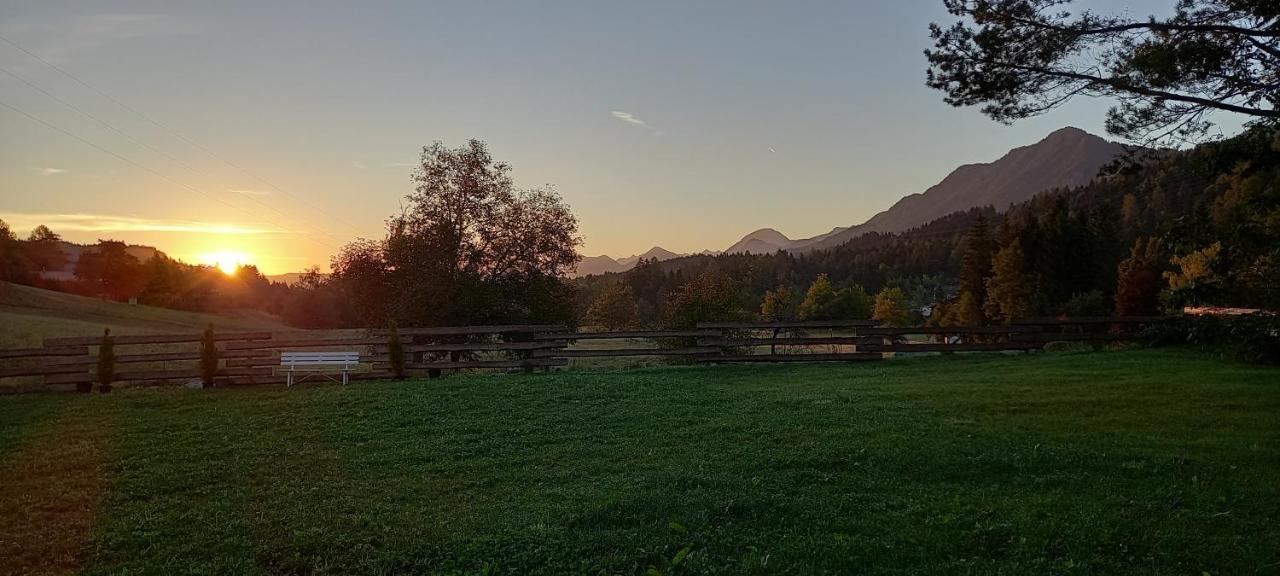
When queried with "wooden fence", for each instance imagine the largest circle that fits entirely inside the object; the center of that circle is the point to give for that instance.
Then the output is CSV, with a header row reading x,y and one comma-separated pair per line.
x,y
248,358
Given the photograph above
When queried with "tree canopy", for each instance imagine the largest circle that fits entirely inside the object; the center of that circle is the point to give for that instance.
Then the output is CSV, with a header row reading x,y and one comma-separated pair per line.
x,y
1021,58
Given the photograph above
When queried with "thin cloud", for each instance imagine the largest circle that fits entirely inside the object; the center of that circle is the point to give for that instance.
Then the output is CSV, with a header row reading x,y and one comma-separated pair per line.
x,y
630,118
48,171
358,165
398,164
250,192
106,223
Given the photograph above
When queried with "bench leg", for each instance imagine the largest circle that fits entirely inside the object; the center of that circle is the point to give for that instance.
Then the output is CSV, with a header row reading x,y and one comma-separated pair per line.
x,y
344,377
288,379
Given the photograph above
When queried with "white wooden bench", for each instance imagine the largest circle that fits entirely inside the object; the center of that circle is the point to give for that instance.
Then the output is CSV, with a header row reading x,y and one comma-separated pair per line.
x,y
318,363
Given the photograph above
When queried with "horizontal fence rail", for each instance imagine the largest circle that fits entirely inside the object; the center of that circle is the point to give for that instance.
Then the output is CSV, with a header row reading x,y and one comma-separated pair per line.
x,y
247,358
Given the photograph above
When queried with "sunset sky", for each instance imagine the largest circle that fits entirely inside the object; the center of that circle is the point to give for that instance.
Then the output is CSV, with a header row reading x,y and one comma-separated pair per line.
x,y
275,131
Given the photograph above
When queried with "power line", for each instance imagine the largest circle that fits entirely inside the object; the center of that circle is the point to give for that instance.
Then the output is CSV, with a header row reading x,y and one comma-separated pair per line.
x,y
176,134
155,150
129,161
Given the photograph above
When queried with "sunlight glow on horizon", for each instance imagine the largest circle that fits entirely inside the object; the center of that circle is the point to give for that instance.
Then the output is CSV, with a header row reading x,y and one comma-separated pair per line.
x,y
228,261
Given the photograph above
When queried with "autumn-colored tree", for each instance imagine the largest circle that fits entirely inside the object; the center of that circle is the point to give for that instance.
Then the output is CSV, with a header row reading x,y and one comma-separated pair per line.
x,y
780,305
614,308
817,298
966,311
1010,288
891,308
1194,280
822,301
1138,279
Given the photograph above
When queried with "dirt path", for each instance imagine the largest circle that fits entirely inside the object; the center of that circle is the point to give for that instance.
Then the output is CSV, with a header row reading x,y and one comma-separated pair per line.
x,y
51,487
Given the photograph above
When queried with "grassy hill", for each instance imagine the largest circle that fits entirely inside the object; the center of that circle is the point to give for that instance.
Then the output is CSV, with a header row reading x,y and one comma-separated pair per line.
x,y
29,315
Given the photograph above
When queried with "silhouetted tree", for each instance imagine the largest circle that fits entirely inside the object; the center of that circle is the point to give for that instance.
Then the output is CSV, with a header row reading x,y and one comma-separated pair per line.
x,y
208,357
395,351
108,269
106,361
975,263
13,265
44,250
469,248
1020,58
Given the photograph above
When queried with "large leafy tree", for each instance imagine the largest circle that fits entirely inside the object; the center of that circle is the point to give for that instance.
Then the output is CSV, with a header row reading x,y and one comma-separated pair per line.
x,y
108,269
468,248
13,263
1020,58
44,249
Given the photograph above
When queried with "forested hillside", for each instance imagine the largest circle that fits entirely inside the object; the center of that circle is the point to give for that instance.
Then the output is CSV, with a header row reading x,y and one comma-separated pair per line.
x,y
1194,227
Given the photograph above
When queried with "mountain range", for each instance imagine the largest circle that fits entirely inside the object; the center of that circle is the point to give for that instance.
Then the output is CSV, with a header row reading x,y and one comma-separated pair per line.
x,y
1066,158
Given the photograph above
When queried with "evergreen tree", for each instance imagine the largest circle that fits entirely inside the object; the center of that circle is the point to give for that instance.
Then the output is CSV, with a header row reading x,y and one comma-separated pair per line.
x,y
106,361
208,357
975,262
395,351
1010,288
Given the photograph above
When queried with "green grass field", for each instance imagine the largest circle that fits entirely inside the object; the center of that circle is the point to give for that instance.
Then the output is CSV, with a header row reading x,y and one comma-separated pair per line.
x,y
1128,462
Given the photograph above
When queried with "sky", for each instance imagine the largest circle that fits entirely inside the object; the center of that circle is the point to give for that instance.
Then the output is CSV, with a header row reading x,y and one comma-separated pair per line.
x,y
274,132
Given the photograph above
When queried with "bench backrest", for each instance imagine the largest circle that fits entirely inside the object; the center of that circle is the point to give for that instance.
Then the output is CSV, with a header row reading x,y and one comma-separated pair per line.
x,y
318,358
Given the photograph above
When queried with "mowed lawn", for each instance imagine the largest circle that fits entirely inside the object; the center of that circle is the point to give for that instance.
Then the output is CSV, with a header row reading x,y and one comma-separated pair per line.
x,y
1129,462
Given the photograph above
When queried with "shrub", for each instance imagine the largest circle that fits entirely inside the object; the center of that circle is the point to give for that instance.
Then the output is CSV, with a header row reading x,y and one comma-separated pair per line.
x,y
395,352
106,361
1254,338
1091,303
208,357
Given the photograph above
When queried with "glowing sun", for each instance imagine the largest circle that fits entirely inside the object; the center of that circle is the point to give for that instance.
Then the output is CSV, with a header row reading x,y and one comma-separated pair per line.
x,y
228,262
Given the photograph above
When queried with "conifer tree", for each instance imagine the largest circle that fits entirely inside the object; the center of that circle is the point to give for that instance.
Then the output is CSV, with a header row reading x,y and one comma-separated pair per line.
x,y
208,357
106,361
975,262
1010,288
